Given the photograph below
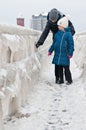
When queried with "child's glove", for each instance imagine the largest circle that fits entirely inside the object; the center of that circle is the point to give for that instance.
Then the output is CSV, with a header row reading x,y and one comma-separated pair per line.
x,y
49,53
69,56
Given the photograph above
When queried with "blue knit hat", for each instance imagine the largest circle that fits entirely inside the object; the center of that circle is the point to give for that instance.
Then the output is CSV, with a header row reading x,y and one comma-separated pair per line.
x,y
53,14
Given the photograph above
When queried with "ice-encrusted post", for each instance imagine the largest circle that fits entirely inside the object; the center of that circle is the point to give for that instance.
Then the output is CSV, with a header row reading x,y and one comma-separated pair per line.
x,y
1,117
14,106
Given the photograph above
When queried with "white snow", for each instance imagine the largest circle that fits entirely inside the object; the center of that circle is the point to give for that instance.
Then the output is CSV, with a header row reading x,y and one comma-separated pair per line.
x,y
29,97
51,106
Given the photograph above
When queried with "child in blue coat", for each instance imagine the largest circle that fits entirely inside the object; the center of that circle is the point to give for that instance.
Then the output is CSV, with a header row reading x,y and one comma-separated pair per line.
x,y
63,47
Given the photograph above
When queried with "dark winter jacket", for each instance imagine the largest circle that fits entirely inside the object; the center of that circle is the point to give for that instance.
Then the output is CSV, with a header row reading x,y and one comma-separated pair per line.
x,y
63,46
50,26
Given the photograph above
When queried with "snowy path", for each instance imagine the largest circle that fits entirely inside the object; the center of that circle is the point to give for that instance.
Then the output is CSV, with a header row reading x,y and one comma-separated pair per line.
x,y
52,106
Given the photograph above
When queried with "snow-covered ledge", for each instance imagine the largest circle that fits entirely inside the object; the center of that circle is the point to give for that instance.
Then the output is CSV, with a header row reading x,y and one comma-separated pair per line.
x,y
80,52
19,63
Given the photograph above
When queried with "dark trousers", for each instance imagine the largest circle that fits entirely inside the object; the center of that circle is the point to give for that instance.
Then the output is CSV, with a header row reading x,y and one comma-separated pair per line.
x,y
57,72
61,70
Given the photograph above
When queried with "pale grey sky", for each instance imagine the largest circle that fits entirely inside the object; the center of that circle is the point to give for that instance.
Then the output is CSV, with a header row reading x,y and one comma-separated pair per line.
x,y
10,9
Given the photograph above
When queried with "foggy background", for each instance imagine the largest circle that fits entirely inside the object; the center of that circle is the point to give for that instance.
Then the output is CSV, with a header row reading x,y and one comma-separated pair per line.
x,y
9,10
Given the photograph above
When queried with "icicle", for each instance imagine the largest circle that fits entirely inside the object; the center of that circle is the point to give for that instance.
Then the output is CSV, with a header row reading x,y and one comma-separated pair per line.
x,y
2,95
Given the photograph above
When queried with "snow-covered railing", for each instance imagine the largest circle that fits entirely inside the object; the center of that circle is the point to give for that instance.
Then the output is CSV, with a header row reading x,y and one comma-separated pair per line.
x,y
19,67
80,52
81,33
20,64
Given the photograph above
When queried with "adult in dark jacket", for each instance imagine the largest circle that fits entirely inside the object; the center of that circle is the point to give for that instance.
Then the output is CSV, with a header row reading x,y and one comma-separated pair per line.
x,y
53,16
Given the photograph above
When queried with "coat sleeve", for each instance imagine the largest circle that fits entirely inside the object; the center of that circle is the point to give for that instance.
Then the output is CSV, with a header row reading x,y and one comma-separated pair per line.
x,y
44,34
51,49
70,44
71,27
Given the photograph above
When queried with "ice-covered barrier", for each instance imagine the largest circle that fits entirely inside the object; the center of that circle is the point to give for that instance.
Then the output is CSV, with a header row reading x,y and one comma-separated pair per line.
x,y
80,52
20,64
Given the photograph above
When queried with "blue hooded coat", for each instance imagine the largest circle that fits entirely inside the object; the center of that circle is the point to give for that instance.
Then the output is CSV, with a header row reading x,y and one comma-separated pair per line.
x,y
63,45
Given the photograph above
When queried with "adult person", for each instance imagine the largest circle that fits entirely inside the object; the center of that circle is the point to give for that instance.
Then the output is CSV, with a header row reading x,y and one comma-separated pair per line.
x,y
52,18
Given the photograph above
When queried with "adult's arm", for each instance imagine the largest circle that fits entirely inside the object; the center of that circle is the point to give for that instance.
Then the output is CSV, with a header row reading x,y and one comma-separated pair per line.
x,y
44,34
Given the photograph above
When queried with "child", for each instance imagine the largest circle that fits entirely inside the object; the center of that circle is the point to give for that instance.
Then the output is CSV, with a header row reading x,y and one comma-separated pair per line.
x,y
63,47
